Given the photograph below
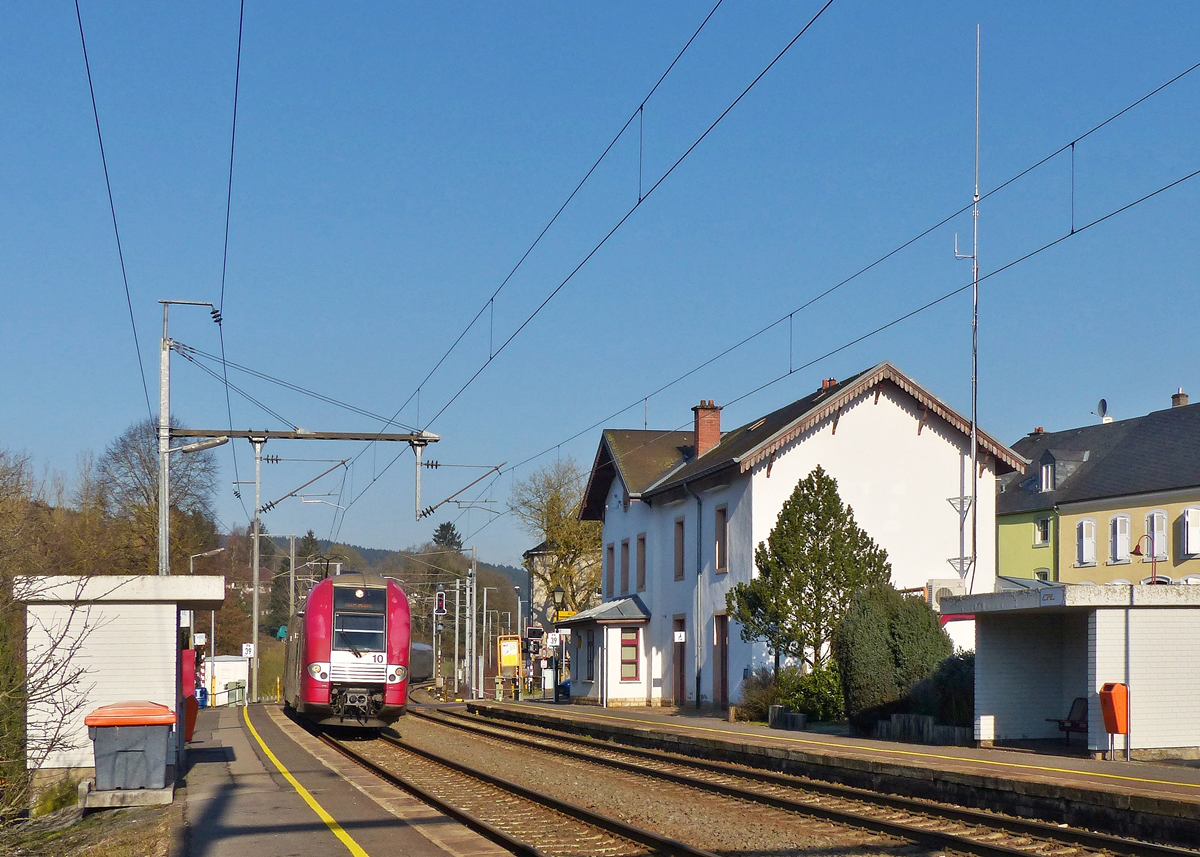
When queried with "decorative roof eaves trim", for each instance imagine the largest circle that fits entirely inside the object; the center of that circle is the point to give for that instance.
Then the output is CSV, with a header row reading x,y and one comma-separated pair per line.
x,y
882,372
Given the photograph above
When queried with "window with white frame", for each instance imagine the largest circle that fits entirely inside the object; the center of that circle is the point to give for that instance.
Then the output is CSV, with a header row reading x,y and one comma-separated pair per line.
x,y
1118,538
1085,542
1156,528
1190,527
1041,532
1041,573
679,548
1048,477
629,654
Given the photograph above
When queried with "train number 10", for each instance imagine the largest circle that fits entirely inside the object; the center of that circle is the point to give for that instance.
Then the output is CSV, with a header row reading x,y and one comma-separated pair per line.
x,y
377,659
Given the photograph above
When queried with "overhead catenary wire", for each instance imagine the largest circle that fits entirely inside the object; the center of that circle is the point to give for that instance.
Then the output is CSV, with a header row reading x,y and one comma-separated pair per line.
x,y
113,209
1072,233
489,304
630,212
230,386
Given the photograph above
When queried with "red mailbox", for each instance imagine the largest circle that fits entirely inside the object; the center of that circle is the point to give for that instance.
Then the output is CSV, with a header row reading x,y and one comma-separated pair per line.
x,y
1114,702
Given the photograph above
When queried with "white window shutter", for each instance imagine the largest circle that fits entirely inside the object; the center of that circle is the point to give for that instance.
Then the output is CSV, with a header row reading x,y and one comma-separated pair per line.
x,y
1086,533
1191,531
1121,530
1159,531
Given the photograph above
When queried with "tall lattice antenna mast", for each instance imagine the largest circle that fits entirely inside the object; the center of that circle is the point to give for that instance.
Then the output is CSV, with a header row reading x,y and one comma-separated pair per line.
x,y
964,561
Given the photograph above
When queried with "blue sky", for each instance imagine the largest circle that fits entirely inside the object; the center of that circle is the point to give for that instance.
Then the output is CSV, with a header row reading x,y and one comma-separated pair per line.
x,y
394,161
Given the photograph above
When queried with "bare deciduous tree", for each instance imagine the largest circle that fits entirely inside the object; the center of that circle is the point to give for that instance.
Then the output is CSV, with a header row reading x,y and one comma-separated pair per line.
x,y
547,505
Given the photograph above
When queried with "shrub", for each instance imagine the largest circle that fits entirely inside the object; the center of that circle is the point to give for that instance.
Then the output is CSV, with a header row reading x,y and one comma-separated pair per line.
x,y
954,682
886,645
817,694
863,654
759,690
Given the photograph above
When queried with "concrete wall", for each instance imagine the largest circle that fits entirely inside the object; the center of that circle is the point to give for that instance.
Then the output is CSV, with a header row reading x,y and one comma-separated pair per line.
x,y
1029,668
1163,690
133,646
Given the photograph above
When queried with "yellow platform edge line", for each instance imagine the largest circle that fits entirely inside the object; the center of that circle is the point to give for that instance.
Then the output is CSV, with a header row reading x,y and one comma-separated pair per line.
x,y
330,822
920,755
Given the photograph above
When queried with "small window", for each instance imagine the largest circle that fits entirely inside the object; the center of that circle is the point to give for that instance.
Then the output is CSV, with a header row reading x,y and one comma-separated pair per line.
x,y
1042,573
679,548
1190,525
591,655
610,571
629,654
1162,578
722,537
1085,536
1047,477
1118,537
1156,529
1041,532
625,567
641,563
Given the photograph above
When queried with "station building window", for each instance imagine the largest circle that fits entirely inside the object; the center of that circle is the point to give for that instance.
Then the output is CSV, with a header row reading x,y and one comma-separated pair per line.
x,y
722,539
625,566
609,571
1041,532
1156,528
591,655
629,654
679,548
1085,542
1118,536
641,562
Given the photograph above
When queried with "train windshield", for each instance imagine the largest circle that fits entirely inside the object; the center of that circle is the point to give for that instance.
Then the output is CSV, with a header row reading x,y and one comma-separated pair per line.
x,y
359,632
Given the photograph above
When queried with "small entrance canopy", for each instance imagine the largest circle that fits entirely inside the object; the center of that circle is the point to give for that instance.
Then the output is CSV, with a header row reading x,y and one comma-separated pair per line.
x,y
609,662
1040,649
622,611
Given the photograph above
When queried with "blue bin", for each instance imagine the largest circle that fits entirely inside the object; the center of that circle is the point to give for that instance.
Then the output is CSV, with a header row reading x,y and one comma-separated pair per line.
x,y
202,697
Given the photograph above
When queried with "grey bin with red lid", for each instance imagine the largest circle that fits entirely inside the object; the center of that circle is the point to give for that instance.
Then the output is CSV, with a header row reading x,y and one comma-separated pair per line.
x,y
131,742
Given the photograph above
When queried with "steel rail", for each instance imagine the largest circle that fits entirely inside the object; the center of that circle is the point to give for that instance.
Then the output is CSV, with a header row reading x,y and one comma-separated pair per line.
x,y
486,829
1052,834
660,844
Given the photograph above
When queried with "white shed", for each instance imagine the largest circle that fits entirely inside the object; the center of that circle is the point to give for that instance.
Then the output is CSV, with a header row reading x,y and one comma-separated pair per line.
x,y
227,677
96,640
1038,650
610,661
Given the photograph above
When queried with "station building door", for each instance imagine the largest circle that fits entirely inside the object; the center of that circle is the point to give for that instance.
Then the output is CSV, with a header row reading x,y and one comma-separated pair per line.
x,y
721,662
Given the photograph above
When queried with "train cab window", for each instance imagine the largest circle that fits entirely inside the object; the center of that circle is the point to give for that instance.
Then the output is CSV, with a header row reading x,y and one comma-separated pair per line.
x,y
363,632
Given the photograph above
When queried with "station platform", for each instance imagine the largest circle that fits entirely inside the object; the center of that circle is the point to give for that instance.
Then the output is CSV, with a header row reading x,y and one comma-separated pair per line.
x,y
258,784
1158,801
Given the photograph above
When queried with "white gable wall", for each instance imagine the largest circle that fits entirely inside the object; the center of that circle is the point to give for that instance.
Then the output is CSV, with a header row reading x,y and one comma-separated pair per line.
x,y
898,483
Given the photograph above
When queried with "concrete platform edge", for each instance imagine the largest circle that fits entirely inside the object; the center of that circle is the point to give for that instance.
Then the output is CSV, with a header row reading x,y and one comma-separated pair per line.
x,y
1161,818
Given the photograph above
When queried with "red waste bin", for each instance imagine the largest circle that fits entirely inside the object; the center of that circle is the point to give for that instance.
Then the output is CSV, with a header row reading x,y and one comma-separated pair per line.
x,y
1114,703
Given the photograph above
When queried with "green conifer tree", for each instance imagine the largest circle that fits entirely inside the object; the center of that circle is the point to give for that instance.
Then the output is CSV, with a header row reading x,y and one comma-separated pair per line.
x,y
813,562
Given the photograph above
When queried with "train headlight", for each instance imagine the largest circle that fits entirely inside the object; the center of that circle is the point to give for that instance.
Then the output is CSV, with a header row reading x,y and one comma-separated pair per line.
x,y
397,674
319,671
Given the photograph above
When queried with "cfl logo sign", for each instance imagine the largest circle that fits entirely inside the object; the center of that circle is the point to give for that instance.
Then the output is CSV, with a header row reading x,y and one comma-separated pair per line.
x,y
439,604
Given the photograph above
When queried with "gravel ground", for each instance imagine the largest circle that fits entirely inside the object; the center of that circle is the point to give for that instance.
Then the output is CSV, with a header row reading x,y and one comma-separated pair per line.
x,y
722,825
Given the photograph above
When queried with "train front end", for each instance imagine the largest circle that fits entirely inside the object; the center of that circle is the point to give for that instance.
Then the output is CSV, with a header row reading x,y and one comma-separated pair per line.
x,y
356,647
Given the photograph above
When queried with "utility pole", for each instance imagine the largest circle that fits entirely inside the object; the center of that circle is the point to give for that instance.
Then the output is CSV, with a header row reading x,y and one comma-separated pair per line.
x,y
164,445
472,642
292,579
254,661
457,662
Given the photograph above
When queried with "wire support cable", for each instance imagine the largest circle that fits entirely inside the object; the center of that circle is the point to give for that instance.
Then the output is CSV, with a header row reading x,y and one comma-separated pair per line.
x,y
230,386
630,212
489,305
290,386
113,209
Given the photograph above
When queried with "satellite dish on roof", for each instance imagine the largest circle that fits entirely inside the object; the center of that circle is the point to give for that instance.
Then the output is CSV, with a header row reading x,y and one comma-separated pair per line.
x,y
1102,409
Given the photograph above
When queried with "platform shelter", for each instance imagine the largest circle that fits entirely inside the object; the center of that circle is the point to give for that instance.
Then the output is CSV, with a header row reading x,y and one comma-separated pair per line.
x,y
1040,649
97,640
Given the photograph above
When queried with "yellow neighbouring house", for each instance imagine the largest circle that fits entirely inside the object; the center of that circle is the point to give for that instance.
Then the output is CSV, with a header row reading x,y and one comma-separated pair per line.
x,y
1117,502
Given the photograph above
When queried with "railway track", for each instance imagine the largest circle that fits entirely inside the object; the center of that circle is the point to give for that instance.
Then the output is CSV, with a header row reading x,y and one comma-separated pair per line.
x,y
926,823
522,820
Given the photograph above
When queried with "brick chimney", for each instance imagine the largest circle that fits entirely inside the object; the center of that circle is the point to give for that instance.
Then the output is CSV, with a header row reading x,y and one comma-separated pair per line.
x,y
1178,400
708,426
828,382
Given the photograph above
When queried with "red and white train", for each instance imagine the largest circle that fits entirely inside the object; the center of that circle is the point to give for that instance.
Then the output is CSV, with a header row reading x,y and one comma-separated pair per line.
x,y
347,656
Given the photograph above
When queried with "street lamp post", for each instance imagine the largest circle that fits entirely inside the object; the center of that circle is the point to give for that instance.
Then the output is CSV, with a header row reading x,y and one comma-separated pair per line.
x,y
520,626
1137,551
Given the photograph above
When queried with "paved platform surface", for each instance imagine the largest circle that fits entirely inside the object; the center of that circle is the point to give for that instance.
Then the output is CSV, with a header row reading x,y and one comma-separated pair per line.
x,y
237,802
